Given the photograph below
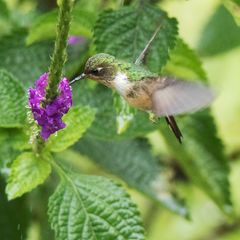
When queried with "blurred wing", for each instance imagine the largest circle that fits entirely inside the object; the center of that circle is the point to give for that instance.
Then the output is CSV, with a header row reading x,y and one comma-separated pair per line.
x,y
178,97
147,47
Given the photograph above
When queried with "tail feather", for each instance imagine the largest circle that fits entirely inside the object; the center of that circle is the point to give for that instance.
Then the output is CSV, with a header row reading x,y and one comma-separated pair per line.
x,y
174,127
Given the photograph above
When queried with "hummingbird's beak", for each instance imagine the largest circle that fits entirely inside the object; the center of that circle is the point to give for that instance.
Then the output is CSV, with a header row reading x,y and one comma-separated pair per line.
x,y
80,77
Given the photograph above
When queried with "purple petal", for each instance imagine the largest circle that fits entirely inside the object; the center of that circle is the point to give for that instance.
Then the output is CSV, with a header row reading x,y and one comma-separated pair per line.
x,y
50,116
41,84
73,40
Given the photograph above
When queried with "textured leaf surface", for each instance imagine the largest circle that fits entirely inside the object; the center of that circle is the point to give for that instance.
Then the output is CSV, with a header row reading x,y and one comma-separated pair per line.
x,y
133,162
77,120
27,172
7,155
214,39
14,216
44,26
91,208
12,141
26,63
124,33
233,7
12,101
184,63
202,156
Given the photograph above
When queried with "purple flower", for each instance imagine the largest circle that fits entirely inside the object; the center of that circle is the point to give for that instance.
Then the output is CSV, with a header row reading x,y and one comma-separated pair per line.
x,y
73,40
50,116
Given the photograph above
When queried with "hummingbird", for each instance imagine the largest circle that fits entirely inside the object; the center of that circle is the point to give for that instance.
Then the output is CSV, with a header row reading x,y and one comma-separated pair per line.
x,y
162,96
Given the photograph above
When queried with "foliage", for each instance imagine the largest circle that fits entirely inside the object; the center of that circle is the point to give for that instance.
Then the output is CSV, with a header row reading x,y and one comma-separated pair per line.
x,y
12,101
130,30
209,165
3,10
76,117
134,163
16,218
85,203
233,6
103,135
27,63
184,63
44,25
214,38
27,171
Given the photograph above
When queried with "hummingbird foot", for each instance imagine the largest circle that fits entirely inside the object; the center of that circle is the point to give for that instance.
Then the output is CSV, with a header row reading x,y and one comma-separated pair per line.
x,y
152,117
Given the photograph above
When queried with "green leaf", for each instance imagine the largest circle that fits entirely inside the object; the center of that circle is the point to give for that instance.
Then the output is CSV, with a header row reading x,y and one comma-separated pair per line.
x,y
14,221
125,33
90,208
12,141
44,26
27,63
184,63
202,156
7,155
215,39
59,2
78,120
233,7
27,172
132,161
12,101
77,55
4,12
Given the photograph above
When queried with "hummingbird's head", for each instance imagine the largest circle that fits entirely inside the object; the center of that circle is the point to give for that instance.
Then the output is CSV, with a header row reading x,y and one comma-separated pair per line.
x,y
101,67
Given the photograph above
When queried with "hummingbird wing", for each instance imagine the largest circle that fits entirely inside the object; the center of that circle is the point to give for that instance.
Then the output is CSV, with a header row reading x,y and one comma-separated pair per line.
x,y
142,55
174,97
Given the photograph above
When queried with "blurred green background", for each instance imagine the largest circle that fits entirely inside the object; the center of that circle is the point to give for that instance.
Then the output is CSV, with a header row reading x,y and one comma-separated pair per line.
x,y
223,72
210,30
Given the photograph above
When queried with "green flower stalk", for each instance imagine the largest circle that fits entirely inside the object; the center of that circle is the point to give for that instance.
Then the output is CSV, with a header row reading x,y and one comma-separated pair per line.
x,y
48,100
59,54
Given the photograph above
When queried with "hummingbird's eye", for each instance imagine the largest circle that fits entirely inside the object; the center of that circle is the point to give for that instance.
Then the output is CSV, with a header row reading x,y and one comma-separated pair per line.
x,y
97,71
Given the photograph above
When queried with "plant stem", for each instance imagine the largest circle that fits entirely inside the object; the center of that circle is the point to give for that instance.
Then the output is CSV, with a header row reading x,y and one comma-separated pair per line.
x,y
59,54
61,173
58,59
39,145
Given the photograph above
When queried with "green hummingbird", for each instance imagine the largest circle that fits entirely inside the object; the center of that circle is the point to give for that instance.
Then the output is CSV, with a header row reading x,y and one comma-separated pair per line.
x,y
142,89
160,95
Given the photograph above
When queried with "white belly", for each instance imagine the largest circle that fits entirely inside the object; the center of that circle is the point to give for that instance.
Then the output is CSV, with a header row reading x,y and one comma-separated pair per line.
x,y
121,83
